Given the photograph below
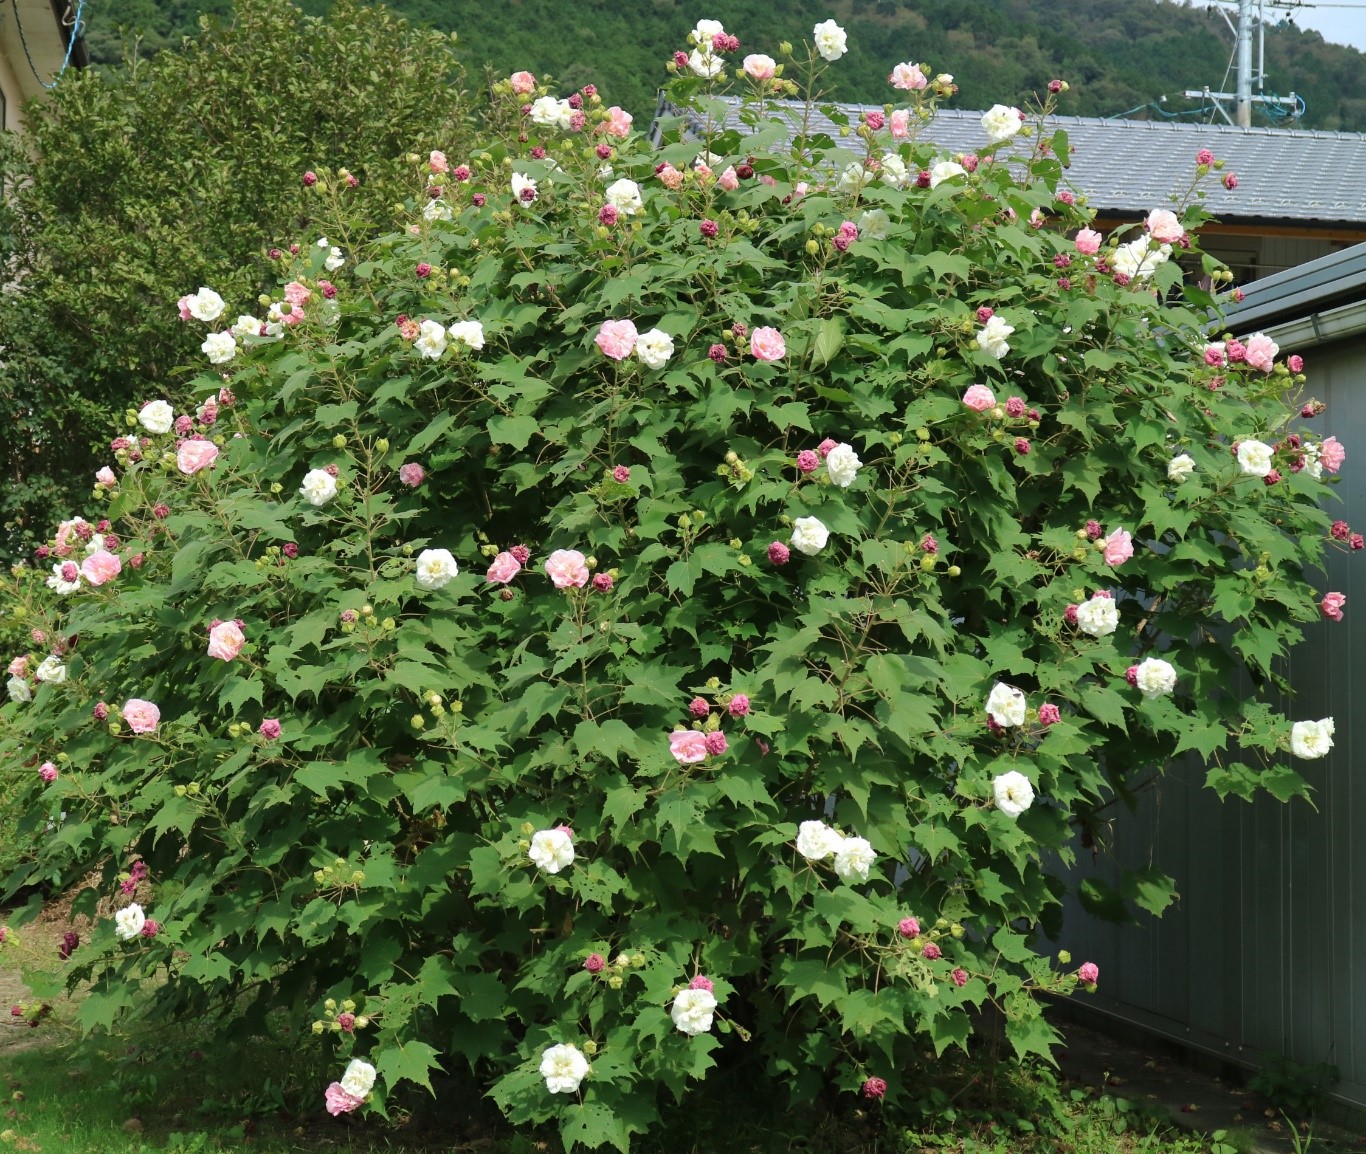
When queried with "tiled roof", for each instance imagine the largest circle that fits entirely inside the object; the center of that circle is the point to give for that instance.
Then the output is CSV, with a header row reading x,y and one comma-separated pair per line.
x,y
1132,166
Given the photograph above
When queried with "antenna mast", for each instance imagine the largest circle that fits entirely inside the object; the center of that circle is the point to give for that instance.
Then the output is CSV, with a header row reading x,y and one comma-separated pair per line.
x,y
1250,12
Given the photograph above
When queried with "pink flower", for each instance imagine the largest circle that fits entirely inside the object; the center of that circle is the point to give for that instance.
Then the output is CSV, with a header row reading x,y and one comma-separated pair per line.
x,y
778,553
670,177
808,461
618,122
874,119
621,474
18,667
687,746
269,728
701,982
739,705
1089,972
297,294
960,977
826,447
603,582
617,339
504,568
1332,604
48,772
339,1101
979,398
1204,156
595,963
874,1088
183,304
908,78
1261,352
729,180
1049,714
195,455
142,716
226,640
106,477
1118,547
101,566
909,927
567,568
412,474
698,707
716,743
930,951
437,162
766,344
523,83
1163,226
1332,454
1295,363
1088,242
760,67
901,124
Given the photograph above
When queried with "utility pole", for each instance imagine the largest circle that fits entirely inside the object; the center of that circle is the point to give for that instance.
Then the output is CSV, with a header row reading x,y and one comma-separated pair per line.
x,y
1250,12
1243,105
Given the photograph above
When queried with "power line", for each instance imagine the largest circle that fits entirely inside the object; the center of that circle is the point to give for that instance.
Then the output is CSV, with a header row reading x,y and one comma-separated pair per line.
x,y
77,27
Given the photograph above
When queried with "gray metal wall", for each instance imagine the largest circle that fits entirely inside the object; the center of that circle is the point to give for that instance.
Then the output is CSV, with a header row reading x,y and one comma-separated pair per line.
x,y
1265,953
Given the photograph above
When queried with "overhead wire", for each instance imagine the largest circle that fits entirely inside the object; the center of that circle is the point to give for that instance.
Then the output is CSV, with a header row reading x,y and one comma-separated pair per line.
x,y
77,26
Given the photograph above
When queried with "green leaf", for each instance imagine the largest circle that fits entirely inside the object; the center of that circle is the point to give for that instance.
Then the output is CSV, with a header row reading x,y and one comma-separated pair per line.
x,y
408,1062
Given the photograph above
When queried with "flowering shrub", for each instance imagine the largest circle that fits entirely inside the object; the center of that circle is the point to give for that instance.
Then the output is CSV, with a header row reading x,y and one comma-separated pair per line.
x,y
605,647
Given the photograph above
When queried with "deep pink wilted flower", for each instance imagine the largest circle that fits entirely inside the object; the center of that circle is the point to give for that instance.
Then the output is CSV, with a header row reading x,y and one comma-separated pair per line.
x,y
150,928
1340,530
290,550
270,728
930,951
959,976
1356,541
909,927
423,270
701,983
716,743
1204,156
929,544
1022,446
70,940
521,553
1272,477
1230,181
1089,972
778,553
739,705
595,963
1094,530
621,474
1131,675
603,582
310,178
709,229
1015,407
874,119
1055,86
347,1022
698,707
607,215
718,354
985,314
1049,714
1070,615
808,461
825,447
874,1088
101,711
1295,363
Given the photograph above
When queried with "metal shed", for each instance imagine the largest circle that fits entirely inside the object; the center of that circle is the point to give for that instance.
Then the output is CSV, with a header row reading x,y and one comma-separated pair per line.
x,y
1265,953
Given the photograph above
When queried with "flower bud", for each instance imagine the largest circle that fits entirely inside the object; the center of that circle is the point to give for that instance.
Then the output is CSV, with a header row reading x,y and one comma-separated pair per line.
x,y
362,1022
318,1026
339,442
1064,957
615,981
954,571
590,1047
418,721
382,445
193,789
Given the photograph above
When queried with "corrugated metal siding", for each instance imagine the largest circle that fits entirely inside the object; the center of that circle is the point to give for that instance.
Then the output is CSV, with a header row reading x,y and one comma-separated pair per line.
x,y
1265,953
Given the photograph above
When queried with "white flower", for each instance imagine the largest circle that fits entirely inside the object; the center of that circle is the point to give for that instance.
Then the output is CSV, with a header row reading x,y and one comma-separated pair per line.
x,y
816,841
19,690
624,196
830,40
705,63
545,111
654,348
468,333
1014,794
991,337
1312,465
128,922
1310,739
692,1010
521,183
551,850
60,584
563,1068
853,177
894,171
842,464
1099,616
156,417
945,170
1155,677
319,487
436,210
359,1078
220,348
854,859
1001,123
1254,457
431,340
1139,258
51,669
435,569
706,31
809,535
246,327
334,259
1006,705
205,305
874,224
1179,468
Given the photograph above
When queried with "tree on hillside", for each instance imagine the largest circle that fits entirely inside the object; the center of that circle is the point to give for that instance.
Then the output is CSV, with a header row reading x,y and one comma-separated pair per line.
x,y
149,181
